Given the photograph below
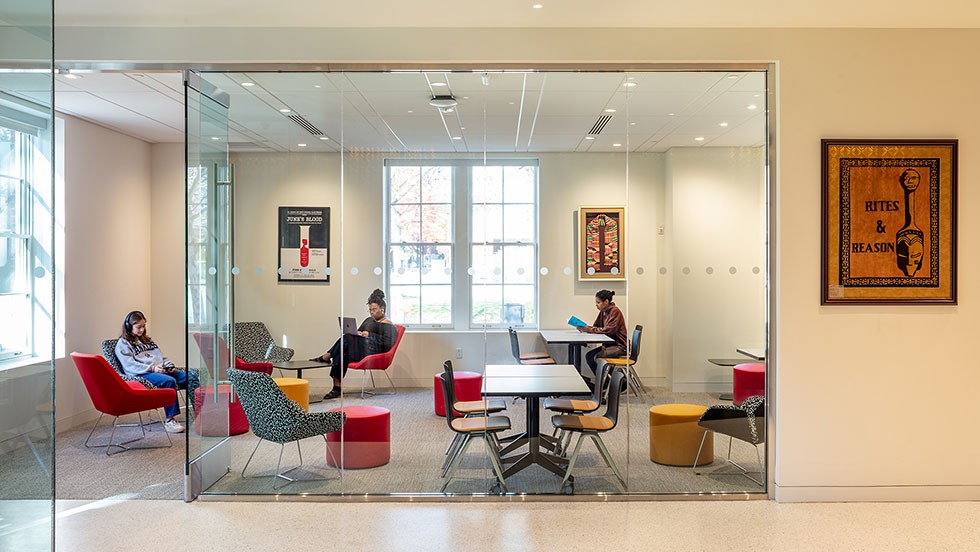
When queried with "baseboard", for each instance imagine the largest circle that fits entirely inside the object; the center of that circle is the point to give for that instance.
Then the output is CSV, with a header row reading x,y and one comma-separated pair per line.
x,y
87,417
702,387
898,493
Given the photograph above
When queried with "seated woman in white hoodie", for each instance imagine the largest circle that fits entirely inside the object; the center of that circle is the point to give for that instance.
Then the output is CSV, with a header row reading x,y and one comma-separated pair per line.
x,y
140,356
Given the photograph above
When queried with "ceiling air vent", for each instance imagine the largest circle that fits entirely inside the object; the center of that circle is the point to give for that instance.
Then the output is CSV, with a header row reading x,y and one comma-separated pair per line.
x,y
600,124
299,120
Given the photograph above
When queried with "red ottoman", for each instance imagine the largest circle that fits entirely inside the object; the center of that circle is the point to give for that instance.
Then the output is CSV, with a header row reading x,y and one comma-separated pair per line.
x,y
749,380
469,387
365,440
214,418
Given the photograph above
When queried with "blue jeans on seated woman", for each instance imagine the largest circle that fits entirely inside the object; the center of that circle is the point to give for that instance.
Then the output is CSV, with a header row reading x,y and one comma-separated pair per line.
x,y
173,380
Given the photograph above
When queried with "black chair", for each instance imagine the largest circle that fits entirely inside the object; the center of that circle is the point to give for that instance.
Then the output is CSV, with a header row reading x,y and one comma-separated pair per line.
x,y
467,409
628,361
746,422
537,357
593,426
274,417
486,427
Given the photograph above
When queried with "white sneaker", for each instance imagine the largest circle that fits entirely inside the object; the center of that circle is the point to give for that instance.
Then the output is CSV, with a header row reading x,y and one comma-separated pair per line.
x,y
173,426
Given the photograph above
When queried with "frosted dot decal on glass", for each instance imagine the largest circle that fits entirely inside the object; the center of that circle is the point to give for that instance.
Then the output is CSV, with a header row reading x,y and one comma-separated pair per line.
x,y
447,270
39,272
663,270
328,271
354,271
568,271
590,271
212,271
686,270
520,271
470,271
377,271
755,270
235,271
544,271
496,271
613,270
281,271
639,270
732,270
258,271
709,270
401,270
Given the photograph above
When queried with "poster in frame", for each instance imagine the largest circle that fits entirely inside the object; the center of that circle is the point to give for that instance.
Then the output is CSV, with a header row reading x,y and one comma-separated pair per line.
x,y
304,244
888,221
601,243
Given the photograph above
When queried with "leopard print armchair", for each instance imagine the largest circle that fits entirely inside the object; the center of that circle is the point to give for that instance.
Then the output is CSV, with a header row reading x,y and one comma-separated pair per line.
x,y
254,343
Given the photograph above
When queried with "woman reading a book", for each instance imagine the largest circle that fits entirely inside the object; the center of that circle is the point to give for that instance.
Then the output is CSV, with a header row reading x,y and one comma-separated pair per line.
x,y
375,335
611,322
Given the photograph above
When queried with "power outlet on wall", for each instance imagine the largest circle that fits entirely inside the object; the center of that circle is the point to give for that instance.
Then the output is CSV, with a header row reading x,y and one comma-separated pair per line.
x,y
459,353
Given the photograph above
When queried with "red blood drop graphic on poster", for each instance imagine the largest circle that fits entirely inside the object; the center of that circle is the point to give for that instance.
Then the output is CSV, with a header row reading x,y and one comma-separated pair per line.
x,y
304,254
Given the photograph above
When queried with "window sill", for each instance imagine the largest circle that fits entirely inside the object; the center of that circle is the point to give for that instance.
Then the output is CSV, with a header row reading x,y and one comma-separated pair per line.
x,y
22,361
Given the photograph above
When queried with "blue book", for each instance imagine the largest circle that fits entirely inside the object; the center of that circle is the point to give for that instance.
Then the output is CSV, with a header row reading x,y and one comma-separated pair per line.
x,y
576,322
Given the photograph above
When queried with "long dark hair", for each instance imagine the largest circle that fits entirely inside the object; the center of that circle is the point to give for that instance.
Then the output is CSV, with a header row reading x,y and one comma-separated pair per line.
x,y
605,295
132,319
378,298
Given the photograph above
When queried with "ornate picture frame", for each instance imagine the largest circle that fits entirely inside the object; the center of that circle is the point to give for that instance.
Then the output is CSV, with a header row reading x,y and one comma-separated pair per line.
x,y
601,243
888,224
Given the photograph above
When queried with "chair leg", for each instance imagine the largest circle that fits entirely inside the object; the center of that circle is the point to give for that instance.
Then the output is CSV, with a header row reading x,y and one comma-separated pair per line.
x,y
247,462
456,453
333,459
694,468
495,461
634,381
456,461
571,461
608,458
108,446
30,444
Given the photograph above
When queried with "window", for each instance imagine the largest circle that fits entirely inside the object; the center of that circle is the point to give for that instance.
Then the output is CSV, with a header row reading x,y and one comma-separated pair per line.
x,y
490,279
15,222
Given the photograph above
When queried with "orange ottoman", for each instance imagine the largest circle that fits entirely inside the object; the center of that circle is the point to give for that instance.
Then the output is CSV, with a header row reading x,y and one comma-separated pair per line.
x,y
297,389
468,387
675,435
364,441
748,379
217,417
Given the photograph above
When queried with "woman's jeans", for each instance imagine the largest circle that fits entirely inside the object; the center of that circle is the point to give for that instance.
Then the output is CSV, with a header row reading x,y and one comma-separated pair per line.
x,y
174,380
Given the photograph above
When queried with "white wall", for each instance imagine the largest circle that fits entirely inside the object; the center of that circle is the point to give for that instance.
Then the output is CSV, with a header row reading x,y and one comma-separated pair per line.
x,y
108,250
837,369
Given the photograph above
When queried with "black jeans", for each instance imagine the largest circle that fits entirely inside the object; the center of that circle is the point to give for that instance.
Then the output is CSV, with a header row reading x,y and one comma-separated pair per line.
x,y
609,351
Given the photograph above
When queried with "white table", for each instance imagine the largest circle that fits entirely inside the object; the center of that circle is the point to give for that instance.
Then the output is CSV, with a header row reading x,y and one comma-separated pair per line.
x,y
575,341
532,383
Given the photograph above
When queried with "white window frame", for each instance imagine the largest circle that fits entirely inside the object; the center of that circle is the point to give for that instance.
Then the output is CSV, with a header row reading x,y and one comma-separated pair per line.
x,y
462,245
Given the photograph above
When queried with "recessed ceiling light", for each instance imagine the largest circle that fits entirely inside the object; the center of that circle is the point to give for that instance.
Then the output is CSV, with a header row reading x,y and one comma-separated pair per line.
x,y
537,6
324,138
511,103
722,124
216,138
285,110
753,106
632,124
247,84
699,139
457,137
755,95
72,76
617,145
610,110
317,86
733,76
629,84
466,97
410,111
438,84
590,137
671,114
301,145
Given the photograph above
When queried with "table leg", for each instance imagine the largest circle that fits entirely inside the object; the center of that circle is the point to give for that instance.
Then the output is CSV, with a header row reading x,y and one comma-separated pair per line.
x,y
535,442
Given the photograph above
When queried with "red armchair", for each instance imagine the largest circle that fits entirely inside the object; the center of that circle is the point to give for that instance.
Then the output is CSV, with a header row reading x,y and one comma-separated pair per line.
x,y
380,361
115,397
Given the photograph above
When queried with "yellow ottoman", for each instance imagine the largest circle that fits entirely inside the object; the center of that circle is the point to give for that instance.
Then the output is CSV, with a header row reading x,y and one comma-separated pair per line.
x,y
675,435
297,389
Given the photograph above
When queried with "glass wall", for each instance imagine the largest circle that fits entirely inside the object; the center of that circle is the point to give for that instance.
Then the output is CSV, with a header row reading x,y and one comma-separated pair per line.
x,y
496,211
27,277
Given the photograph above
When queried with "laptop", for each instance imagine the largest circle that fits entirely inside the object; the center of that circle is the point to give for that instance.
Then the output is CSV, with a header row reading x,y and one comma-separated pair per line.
x,y
348,325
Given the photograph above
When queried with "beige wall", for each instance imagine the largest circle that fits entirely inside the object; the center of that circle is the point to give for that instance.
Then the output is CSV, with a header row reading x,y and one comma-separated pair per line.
x,y
844,377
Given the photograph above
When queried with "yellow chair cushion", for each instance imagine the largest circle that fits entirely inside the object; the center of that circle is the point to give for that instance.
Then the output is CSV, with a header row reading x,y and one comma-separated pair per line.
x,y
675,435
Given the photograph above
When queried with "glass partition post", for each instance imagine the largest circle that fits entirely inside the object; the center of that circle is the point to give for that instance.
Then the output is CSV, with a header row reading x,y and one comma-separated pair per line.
x,y
28,271
209,284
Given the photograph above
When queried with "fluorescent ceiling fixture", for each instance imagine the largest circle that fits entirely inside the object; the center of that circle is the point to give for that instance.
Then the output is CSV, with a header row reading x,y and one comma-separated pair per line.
x,y
301,145
699,139
753,106
610,110
438,84
722,124
247,84
617,145
632,124
410,111
324,138
537,6
285,110
629,84
590,137
215,138
317,86
457,137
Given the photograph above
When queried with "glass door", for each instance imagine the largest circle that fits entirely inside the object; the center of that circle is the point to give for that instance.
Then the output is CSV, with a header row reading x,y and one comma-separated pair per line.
x,y
209,284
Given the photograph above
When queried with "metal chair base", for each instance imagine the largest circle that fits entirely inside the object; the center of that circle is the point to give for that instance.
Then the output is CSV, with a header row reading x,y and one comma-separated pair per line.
x,y
108,445
603,451
282,474
742,470
371,393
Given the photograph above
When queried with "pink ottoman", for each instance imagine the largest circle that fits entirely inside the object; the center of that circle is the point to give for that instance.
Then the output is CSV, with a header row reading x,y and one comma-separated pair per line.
x,y
749,380
212,418
469,387
365,440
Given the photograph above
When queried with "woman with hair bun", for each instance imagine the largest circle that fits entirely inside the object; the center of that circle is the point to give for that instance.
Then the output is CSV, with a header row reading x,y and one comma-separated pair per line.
x,y
611,322
376,334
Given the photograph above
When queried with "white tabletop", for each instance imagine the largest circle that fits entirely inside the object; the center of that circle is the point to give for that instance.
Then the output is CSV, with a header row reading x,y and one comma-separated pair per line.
x,y
524,371
574,336
757,353
533,386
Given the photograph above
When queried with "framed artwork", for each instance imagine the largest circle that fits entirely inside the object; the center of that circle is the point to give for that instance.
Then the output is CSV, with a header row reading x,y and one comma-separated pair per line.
x,y
601,243
888,222
304,244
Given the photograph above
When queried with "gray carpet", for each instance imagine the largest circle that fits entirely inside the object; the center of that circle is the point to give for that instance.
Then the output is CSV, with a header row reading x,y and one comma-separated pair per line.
x,y
418,441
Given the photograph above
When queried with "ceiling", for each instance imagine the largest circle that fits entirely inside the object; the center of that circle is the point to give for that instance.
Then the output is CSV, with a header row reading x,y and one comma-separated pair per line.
x,y
390,112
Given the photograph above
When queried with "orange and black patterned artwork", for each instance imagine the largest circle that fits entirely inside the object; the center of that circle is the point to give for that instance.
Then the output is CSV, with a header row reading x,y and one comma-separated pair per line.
x,y
601,243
